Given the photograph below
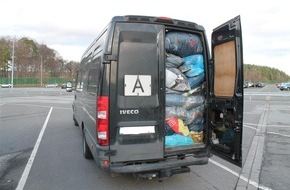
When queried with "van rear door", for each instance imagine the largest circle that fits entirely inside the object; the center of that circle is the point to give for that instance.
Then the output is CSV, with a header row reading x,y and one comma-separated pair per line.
x,y
137,92
226,91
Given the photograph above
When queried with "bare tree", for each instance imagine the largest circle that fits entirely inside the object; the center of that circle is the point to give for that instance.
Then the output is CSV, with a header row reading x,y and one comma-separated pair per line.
x,y
71,68
33,60
4,57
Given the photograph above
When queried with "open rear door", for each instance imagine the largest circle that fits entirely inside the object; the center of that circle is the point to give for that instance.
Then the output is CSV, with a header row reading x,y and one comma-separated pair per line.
x,y
226,92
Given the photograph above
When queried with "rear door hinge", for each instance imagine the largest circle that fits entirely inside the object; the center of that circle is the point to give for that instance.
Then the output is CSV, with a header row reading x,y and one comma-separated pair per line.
x,y
109,57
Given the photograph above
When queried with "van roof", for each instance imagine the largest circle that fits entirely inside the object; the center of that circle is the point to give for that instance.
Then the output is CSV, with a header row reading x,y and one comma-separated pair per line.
x,y
161,19
148,19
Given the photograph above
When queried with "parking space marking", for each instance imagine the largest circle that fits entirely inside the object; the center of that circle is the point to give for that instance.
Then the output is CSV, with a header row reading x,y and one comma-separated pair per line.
x,y
273,133
33,105
28,166
255,184
250,127
254,124
252,167
278,126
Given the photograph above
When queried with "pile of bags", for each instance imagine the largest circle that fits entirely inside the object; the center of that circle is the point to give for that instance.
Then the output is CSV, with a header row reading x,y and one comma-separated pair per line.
x,y
184,92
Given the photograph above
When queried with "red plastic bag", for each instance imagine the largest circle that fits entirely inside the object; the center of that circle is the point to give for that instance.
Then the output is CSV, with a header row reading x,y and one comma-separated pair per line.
x,y
177,125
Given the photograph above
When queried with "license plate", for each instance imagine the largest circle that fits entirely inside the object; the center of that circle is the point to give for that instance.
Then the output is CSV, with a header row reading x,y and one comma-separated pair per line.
x,y
137,130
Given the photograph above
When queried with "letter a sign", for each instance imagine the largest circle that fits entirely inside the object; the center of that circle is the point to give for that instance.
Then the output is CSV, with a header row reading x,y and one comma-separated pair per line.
x,y
137,85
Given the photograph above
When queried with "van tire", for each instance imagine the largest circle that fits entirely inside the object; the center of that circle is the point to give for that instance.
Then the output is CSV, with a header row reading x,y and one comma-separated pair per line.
x,y
86,149
75,121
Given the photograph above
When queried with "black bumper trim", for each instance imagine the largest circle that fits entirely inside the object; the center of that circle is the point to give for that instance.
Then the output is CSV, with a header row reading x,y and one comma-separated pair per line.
x,y
162,165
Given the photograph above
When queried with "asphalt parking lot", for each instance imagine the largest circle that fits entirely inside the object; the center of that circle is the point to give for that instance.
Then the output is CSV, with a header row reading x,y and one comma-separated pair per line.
x,y
28,114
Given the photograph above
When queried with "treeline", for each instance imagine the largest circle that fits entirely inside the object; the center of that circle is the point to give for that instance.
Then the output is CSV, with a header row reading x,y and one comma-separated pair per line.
x,y
264,74
32,60
35,60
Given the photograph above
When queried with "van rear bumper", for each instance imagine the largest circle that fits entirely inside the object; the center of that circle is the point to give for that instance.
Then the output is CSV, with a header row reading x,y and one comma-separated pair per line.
x,y
162,165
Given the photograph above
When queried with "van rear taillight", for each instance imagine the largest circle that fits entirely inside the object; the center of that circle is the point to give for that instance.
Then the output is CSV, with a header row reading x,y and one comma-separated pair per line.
x,y
103,120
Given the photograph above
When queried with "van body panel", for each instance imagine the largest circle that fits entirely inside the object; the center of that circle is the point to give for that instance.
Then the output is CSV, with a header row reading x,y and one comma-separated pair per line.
x,y
226,91
137,93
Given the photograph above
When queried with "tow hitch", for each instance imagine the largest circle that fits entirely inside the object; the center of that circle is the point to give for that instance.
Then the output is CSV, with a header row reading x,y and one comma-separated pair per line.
x,y
162,174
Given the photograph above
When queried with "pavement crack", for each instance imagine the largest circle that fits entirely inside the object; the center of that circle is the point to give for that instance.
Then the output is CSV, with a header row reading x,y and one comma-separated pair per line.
x,y
10,161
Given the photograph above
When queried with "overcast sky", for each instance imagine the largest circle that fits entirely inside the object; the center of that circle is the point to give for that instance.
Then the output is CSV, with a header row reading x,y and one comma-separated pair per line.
x,y
69,26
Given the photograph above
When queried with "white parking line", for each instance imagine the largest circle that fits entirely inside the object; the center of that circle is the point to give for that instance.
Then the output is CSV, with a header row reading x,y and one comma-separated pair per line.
x,y
28,166
255,184
269,132
279,126
254,124
33,105
253,163
273,133
250,127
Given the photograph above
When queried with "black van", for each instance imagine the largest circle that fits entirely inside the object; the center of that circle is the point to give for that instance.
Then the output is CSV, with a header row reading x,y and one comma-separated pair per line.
x,y
151,100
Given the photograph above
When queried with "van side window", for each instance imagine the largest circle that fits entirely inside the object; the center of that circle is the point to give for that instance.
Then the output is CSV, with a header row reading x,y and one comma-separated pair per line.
x,y
92,80
79,85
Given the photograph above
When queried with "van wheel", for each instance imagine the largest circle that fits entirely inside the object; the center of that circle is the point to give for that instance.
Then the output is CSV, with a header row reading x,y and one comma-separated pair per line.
x,y
75,121
86,150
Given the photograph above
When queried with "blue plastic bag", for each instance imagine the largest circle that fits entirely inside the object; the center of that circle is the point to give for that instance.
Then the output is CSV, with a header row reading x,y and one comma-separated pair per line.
x,y
197,124
193,65
178,140
195,81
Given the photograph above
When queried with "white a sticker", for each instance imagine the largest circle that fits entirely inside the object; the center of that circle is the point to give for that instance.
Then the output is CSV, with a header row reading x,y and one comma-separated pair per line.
x,y
137,85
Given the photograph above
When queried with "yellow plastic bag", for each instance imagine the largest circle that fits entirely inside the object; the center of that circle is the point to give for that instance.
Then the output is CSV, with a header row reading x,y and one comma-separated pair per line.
x,y
177,126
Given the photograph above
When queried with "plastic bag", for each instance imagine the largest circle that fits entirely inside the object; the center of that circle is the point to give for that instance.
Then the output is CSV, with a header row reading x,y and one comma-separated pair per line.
x,y
195,81
177,125
197,136
184,69
195,91
178,112
178,140
188,102
168,130
193,65
194,114
173,99
196,127
170,91
175,80
198,121
173,61
182,44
